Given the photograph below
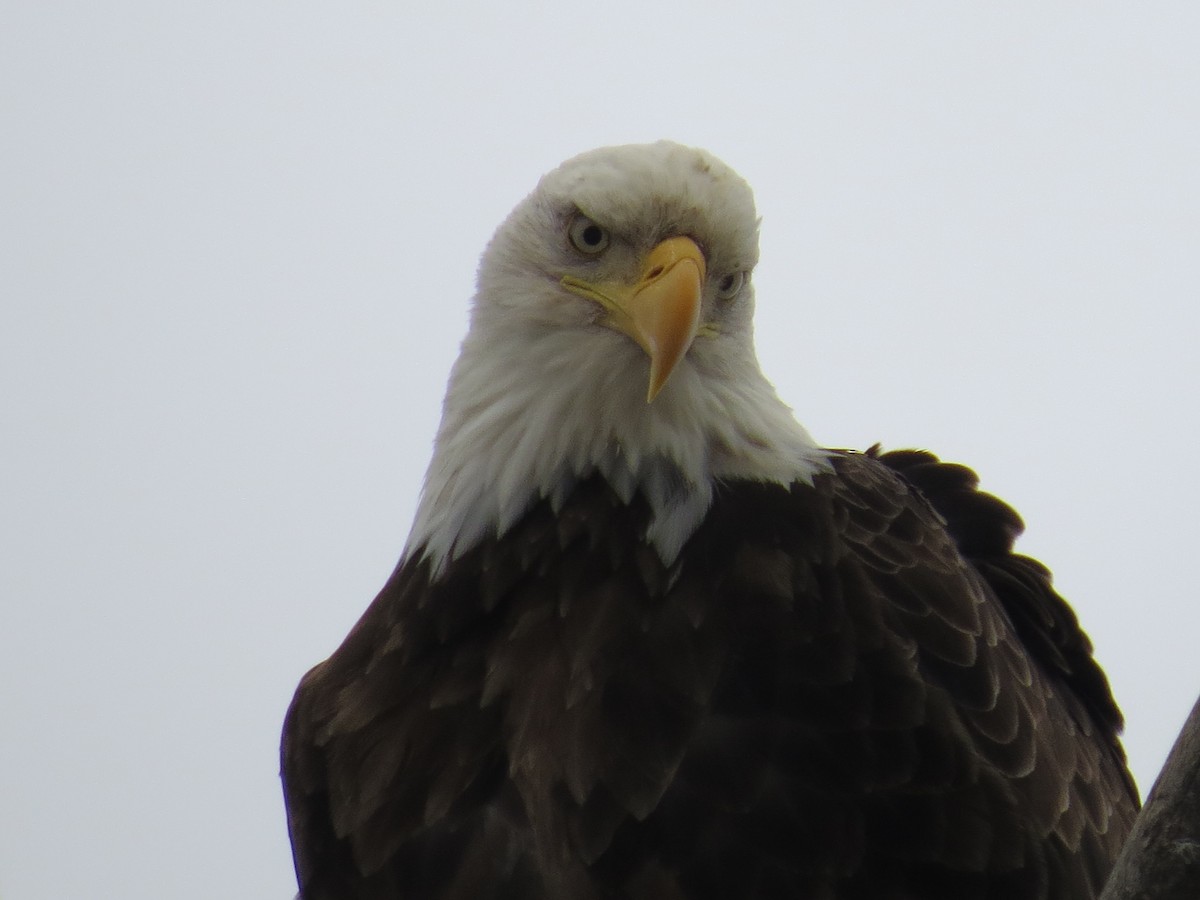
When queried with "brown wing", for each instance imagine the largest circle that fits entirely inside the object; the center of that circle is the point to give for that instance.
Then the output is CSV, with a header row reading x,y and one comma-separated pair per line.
x,y
984,529
393,767
822,699
434,754
1018,671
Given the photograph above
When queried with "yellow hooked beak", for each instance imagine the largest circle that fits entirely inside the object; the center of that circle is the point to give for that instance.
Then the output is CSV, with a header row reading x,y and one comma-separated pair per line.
x,y
660,310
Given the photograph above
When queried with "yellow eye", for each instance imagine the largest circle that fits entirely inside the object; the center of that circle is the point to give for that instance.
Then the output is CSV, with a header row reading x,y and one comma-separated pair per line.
x,y
730,285
586,236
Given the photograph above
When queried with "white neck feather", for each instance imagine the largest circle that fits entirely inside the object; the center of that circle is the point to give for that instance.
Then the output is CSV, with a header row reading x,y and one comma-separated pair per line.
x,y
529,411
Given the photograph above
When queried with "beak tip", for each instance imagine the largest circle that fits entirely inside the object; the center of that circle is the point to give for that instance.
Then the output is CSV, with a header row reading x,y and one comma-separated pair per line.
x,y
658,379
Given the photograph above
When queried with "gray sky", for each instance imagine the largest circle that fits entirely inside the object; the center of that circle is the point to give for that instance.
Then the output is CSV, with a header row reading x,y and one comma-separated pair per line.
x,y
236,249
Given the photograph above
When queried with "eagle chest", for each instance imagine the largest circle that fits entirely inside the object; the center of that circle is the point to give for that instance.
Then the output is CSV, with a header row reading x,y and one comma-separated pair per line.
x,y
629,689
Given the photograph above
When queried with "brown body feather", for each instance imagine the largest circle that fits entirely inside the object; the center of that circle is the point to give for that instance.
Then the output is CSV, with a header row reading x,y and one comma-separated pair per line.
x,y
836,692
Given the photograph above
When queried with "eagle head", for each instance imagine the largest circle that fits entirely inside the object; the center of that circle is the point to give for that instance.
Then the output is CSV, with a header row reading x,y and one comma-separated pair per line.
x,y
611,333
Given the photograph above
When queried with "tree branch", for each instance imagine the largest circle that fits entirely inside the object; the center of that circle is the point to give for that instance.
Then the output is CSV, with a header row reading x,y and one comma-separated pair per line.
x,y
1161,859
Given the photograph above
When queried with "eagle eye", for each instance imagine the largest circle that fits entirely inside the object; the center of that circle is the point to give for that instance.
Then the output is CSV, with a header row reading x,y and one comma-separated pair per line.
x,y
729,285
586,236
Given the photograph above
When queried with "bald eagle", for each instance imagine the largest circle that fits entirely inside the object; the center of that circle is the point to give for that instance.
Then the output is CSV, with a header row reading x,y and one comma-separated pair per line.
x,y
649,640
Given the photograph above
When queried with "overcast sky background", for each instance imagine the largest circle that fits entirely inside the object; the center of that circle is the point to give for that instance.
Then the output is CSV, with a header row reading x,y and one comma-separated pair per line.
x,y
237,243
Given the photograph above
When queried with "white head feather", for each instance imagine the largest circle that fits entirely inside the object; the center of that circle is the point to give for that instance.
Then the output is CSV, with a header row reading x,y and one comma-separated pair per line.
x,y
543,394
